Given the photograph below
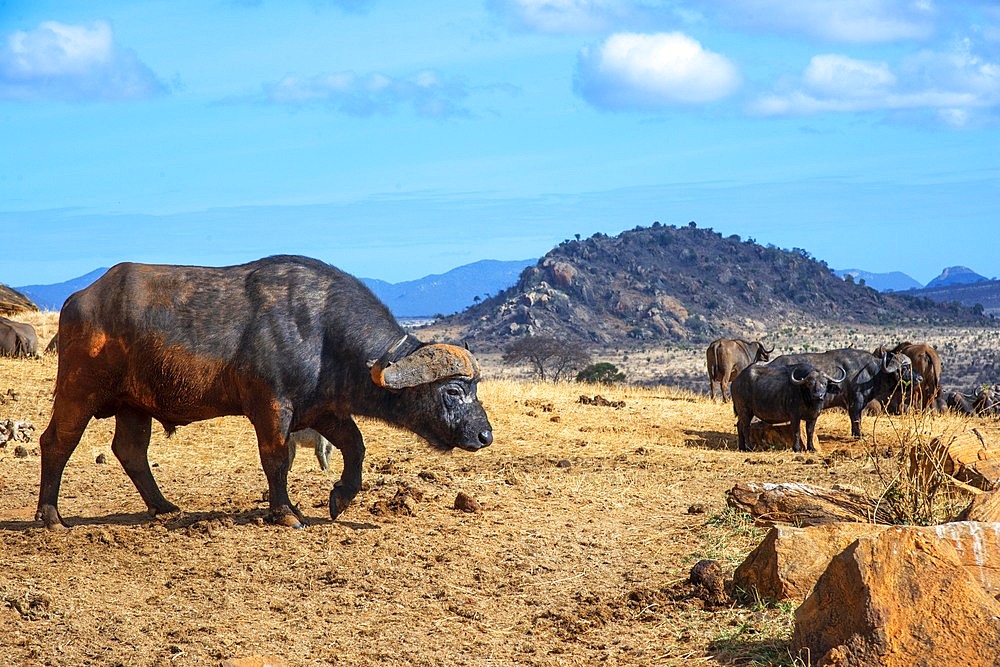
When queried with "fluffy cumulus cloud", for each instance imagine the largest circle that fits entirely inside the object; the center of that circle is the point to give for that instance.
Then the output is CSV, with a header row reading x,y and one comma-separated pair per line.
x,y
837,20
651,71
72,62
426,93
955,85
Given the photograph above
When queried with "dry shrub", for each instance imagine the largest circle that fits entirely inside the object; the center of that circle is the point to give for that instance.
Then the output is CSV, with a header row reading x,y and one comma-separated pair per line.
x,y
913,487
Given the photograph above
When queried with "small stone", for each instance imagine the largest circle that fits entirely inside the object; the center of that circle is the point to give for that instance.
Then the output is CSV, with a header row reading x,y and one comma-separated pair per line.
x,y
697,508
467,503
21,452
101,459
564,463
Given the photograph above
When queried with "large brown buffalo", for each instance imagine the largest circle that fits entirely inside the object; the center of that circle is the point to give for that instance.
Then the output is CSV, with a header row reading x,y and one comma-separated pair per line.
x,y
17,339
289,342
726,357
923,394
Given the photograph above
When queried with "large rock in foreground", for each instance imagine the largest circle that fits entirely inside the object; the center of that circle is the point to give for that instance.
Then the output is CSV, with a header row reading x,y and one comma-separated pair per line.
x,y
900,598
790,560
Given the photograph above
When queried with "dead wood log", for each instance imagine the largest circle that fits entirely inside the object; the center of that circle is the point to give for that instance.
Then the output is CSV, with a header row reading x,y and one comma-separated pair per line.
x,y
804,504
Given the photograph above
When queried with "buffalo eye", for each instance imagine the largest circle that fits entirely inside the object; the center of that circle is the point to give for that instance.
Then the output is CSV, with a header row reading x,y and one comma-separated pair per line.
x,y
454,392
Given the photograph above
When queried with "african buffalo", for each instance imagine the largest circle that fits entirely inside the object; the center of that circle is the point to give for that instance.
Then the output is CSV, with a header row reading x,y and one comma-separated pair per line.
x,y
17,339
869,376
289,342
926,363
726,357
779,394
983,402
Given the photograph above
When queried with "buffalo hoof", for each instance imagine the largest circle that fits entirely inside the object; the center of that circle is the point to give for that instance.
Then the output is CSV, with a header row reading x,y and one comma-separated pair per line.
x,y
167,508
49,516
284,516
338,503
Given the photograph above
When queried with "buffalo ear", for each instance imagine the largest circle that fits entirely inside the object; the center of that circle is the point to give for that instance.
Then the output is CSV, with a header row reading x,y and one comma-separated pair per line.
x,y
425,365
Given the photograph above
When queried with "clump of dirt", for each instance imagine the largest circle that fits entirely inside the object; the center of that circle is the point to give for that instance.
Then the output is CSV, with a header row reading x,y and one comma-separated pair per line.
x,y
403,503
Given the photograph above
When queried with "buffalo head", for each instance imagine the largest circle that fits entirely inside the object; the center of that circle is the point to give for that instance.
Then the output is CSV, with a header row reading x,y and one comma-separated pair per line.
x,y
433,393
817,383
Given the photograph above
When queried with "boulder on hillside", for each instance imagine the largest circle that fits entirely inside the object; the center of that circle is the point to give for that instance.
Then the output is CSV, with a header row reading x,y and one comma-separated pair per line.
x,y
899,598
790,560
13,302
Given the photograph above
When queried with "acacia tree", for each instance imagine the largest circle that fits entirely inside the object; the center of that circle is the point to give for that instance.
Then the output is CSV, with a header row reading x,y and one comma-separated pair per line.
x,y
550,358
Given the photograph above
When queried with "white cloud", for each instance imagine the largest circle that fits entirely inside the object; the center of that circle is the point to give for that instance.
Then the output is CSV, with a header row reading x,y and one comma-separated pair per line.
x,y
372,94
838,20
952,85
562,16
72,62
649,71
840,76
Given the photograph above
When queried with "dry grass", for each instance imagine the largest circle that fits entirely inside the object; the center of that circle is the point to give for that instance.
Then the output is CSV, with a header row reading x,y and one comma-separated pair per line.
x,y
593,517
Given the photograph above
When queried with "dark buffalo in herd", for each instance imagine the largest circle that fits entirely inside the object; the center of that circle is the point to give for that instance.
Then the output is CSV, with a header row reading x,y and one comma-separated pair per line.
x,y
782,393
727,357
17,339
983,402
289,342
869,377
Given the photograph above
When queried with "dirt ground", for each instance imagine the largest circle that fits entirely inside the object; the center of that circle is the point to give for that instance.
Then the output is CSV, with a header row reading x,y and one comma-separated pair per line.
x,y
592,517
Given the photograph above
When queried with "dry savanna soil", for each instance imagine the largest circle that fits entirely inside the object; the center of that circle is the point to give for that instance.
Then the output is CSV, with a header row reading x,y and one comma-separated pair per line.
x,y
591,516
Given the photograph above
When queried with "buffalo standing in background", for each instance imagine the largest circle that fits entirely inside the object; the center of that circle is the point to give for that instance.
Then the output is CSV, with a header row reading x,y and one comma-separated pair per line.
x,y
780,394
727,357
17,339
868,377
288,342
927,364
983,402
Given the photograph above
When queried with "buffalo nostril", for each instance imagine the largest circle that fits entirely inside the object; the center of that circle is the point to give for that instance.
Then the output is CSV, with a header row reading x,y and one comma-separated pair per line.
x,y
486,438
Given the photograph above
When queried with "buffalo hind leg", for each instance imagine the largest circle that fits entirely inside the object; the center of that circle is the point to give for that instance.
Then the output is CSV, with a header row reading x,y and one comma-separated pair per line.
x,y
346,437
131,446
57,443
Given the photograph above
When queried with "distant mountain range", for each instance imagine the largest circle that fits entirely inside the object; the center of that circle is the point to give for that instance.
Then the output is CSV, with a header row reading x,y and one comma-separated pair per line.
x,y
442,294
897,281
465,286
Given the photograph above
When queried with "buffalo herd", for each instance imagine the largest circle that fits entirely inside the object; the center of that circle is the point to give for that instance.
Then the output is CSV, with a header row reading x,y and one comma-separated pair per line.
x,y
793,388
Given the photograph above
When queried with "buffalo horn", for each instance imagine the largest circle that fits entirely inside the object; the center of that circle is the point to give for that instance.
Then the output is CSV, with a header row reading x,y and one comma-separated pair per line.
x,y
427,364
796,380
843,375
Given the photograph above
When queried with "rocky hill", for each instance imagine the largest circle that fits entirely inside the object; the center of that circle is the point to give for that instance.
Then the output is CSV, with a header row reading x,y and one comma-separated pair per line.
x,y
13,302
670,284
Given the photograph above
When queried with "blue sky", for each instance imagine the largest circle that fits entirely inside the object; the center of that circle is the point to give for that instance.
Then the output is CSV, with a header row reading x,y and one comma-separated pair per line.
x,y
398,139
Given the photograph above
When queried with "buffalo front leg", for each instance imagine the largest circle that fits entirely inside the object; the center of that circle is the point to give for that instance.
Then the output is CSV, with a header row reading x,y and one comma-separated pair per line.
x,y
131,446
810,429
346,437
57,443
274,448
